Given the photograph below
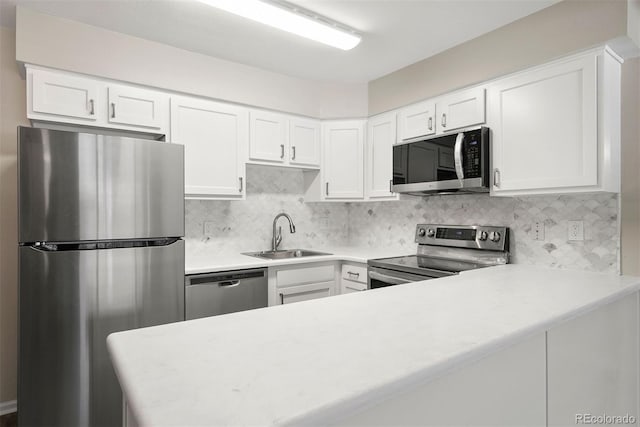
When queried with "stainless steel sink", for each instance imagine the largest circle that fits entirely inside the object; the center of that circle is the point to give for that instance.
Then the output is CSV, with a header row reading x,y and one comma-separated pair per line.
x,y
284,254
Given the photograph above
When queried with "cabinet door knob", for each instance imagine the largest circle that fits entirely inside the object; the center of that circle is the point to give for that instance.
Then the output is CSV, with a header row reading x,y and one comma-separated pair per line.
x,y
390,186
430,123
113,110
282,151
91,107
241,186
444,120
496,177
293,152
327,189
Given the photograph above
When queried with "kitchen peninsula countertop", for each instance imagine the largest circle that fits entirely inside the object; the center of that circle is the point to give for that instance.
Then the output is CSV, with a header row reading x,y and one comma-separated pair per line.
x,y
213,262
319,360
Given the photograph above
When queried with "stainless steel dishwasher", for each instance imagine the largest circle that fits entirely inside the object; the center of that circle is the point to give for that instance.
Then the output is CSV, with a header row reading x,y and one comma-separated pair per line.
x,y
224,292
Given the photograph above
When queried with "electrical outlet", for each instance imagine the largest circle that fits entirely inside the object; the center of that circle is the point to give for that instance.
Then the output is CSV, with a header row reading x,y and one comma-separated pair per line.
x,y
209,228
576,230
537,228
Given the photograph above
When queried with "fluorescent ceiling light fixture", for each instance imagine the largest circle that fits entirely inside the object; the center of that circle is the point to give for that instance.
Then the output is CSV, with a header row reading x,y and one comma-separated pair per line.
x,y
292,19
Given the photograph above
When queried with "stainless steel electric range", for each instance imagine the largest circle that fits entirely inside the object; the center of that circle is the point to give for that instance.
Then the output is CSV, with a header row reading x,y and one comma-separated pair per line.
x,y
443,250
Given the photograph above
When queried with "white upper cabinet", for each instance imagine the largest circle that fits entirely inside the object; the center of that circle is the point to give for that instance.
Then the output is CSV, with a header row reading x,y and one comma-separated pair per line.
x,y
214,136
279,139
416,120
268,137
461,109
60,97
458,110
343,159
556,127
71,99
304,142
137,107
381,135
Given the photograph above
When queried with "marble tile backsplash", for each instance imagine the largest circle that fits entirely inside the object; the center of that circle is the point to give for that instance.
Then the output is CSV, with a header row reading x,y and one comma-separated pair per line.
x,y
243,226
246,226
393,225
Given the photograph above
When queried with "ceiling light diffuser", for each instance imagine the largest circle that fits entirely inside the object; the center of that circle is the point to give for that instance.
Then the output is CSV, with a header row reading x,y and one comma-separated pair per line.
x,y
292,19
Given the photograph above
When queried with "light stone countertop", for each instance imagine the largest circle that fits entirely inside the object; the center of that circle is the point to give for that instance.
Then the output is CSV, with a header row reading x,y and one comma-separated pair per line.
x,y
215,261
316,361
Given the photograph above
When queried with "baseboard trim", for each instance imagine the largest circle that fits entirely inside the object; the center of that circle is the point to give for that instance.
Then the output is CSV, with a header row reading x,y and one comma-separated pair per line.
x,y
8,407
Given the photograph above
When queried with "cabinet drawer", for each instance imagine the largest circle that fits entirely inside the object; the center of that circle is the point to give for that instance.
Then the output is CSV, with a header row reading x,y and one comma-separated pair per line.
x,y
301,276
305,292
349,286
354,273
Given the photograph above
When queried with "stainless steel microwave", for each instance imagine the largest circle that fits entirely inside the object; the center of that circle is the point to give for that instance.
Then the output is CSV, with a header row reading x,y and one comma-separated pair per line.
x,y
450,164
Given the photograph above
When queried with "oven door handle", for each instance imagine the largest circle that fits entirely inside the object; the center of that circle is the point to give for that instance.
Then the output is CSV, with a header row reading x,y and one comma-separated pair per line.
x,y
457,156
388,279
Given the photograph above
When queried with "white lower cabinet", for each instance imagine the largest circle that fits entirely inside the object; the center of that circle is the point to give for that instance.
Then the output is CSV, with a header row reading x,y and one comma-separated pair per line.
x,y
353,277
295,283
556,128
214,136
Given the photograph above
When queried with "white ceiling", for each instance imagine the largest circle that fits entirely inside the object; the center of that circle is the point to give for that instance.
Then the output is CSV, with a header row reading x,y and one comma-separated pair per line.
x,y
395,33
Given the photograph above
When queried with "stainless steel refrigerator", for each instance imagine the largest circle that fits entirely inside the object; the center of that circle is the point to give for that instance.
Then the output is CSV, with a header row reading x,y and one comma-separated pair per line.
x,y
101,221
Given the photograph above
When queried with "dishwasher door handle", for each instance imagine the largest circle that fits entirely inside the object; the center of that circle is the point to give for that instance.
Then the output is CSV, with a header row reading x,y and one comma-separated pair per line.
x,y
229,283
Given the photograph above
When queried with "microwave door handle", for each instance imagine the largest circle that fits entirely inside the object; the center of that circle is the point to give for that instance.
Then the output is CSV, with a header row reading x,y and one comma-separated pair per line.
x,y
457,156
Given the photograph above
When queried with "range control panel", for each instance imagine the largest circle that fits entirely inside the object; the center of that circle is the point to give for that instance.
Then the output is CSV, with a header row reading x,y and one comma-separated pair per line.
x,y
464,236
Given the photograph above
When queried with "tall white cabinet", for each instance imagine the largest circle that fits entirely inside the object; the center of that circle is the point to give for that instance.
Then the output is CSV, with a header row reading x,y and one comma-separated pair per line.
x,y
214,136
381,135
343,159
556,127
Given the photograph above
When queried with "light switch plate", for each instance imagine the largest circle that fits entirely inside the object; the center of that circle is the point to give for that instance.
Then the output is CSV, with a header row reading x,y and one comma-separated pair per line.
x,y
576,230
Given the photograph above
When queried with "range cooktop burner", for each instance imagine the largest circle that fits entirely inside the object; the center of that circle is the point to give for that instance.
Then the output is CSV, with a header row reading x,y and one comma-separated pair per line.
x,y
443,250
420,262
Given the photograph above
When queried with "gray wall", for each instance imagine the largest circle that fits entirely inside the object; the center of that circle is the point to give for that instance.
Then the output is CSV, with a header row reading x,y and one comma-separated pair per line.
x,y
12,113
68,45
552,32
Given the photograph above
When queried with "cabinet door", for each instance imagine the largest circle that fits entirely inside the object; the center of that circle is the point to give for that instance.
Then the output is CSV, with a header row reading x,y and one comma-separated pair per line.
x,y
343,146
544,126
304,141
305,292
268,137
64,95
214,135
416,120
136,107
461,110
381,135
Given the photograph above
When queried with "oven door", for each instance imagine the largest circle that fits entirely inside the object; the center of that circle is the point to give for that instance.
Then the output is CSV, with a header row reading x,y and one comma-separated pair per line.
x,y
382,277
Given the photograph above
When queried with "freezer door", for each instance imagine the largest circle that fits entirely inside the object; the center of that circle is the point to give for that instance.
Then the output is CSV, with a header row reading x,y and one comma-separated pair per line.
x,y
69,302
76,186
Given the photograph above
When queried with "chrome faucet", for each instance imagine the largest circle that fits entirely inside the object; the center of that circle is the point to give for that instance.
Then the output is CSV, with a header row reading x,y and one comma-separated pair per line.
x,y
277,235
